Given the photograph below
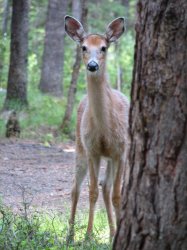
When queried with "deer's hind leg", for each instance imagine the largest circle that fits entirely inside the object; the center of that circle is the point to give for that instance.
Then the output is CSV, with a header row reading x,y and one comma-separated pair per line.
x,y
116,195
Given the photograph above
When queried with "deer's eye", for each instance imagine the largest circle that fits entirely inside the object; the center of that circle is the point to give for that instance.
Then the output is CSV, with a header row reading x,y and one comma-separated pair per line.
x,y
84,48
103,49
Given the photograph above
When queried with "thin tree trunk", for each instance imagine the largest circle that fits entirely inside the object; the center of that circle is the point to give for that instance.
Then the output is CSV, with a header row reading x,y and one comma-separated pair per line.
x,y
53,56
75,74
77,9
154,206
71,93
128,14
119,78
125,3
17,77
6,8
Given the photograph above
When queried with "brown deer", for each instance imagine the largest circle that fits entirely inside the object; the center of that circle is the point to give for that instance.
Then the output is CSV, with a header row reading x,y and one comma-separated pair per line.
x,y
102,124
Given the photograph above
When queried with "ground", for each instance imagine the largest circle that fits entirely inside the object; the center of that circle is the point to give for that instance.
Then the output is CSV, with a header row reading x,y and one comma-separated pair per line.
x,y
38,175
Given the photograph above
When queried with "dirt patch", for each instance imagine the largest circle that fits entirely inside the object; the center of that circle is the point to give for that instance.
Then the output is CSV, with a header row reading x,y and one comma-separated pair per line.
x,y
33,173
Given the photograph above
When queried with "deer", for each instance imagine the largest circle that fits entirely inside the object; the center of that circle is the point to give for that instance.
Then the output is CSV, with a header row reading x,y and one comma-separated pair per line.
x,y
102,125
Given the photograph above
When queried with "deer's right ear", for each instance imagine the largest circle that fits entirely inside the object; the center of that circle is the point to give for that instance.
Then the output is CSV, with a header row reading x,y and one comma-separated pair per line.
x,y
74,29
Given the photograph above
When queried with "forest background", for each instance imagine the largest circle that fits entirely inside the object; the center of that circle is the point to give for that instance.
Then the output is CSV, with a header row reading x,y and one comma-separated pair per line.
x,y
155,187
42,117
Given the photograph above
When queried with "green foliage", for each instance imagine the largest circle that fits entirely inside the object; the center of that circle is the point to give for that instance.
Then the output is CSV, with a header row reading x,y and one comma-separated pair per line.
x,y
43,117
102,13
4,60
122,56
37,17
41,230
40,120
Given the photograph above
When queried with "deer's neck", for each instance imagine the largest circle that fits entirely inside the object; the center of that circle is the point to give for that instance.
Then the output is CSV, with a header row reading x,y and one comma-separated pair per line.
x,y
99,98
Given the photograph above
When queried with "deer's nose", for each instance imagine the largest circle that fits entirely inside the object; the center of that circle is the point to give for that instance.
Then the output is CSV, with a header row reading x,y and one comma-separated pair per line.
x,y
92,66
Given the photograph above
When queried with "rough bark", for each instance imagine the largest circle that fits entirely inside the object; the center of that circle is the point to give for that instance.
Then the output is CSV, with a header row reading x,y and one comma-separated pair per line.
x,y
75,73
154,206
17,77
53,56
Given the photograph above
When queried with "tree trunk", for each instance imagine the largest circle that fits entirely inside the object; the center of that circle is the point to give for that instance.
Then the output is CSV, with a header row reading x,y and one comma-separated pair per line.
x,y
76,67
17,78
119,76
53,56
154,206
77,9
6,8
129,13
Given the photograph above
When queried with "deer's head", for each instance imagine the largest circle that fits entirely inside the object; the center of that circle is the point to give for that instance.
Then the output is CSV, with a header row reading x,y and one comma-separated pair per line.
x,y
94,46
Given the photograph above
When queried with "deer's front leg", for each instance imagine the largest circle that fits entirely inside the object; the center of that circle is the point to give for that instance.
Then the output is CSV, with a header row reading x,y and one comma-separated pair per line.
x,y
93,190
81,170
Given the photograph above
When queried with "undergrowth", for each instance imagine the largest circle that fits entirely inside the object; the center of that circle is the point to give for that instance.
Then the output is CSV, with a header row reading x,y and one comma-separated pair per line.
x,y
34,230
41,120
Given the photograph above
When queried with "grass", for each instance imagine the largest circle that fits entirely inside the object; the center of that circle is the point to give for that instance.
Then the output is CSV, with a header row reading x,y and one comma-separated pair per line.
x,y
41,230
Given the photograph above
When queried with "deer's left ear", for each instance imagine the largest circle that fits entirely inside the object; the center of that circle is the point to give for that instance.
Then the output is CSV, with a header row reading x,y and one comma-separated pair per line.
x,y
115,29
